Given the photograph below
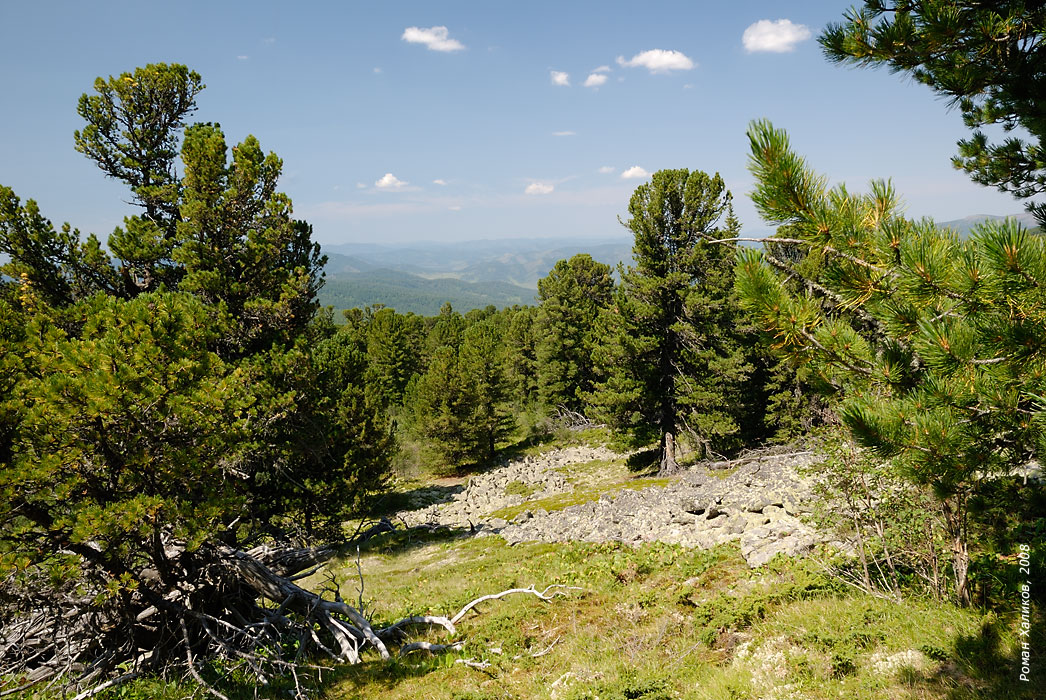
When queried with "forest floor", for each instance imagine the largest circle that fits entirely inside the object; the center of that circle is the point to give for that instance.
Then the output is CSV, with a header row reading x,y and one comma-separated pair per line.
x,y
648,619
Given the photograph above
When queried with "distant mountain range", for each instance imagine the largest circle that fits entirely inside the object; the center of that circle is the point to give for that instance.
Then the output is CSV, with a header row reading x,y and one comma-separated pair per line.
x,y
420,277
966,224
469,275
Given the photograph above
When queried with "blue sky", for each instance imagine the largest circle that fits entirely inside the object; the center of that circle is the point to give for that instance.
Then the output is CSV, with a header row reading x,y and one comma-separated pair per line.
x,y
409,121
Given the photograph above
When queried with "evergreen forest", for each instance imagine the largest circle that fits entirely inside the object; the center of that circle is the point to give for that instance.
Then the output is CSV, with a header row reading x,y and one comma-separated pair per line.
x,y
187,438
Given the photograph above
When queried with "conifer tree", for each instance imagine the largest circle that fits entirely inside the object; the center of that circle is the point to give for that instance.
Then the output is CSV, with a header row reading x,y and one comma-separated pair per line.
x,y
481,361
572,295
159,415
520,354
984,57
444,402
391,357
672,360
934,344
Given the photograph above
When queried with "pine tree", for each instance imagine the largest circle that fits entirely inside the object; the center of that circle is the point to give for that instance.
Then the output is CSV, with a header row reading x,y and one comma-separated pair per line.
x,y
572,296
984,57
672,360
481,361
391,357
934,344
520,353
444,402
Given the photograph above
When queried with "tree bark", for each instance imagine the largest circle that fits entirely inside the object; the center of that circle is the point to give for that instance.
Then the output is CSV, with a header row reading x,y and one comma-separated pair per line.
x,y
669,465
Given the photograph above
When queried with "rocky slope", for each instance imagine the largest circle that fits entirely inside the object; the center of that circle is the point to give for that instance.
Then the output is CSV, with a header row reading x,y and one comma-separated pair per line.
x,y
758,501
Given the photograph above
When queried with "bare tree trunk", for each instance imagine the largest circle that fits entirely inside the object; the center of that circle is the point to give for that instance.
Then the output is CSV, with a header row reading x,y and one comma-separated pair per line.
x,y
668,455
955,521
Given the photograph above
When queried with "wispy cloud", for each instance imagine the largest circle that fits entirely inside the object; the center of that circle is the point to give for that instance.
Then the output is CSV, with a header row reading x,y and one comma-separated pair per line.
x,y
539,188
601,69
439,182
778,36
377,69
595,79
607,169
658,61
634,173
389,181
434,38
564,133
242,57
560,78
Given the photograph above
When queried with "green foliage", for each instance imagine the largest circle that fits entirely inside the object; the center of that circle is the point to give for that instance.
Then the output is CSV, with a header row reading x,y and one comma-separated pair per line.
x,y
572,296
481,363
392,356
727,611
132,427
983,57
897,526
934,343
443,403
184,396
520,343
672,358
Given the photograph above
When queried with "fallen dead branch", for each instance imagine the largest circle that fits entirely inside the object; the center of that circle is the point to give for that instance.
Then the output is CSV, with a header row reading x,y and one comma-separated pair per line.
x,y
243,608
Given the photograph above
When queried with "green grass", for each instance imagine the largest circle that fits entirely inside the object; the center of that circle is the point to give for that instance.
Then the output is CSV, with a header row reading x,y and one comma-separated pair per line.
x,y
664,622
649,623
577,496
654,623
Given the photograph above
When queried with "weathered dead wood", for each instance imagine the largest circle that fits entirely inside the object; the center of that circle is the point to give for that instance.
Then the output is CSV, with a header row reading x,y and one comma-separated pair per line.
x,y
240,606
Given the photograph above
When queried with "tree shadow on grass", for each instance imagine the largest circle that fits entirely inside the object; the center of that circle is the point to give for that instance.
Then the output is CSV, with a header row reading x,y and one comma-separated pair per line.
x,y
385,675
986,665
412,499
403,540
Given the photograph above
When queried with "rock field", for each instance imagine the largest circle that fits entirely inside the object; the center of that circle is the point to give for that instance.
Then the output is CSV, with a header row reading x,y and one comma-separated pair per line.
x,y
758,501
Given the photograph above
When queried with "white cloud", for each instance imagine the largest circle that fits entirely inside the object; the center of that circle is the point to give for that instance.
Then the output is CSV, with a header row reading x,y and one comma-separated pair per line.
x,y
560,78
601,69
607,169
538,188
389,181
778,36
634,173
377,69
595,79
439,182
242,57
564,133
456,207
658,61
361,185
435,38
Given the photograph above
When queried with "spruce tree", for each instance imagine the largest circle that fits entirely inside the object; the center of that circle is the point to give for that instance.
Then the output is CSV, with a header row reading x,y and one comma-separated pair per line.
x,y
572,296
671,359
520,353
444,402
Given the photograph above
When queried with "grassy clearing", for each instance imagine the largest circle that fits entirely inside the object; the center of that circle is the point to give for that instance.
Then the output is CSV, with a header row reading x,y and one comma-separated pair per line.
x,y
654,623
664,622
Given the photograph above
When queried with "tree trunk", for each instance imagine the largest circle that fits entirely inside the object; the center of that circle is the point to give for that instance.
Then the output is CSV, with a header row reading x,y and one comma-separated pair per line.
x,y
669,465
955,521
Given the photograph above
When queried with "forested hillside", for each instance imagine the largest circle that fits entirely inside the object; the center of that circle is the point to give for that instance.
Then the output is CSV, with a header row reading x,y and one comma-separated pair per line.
x,y
799,465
